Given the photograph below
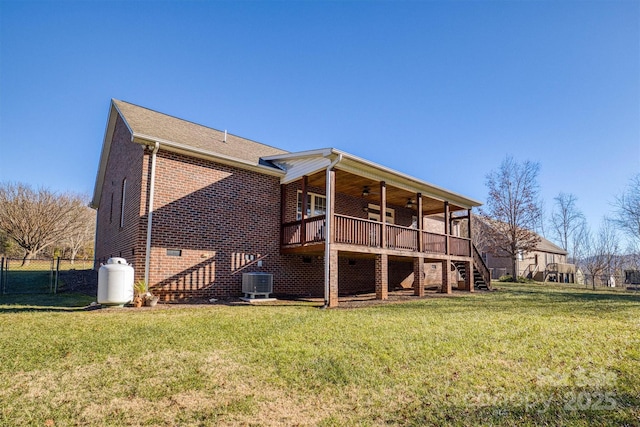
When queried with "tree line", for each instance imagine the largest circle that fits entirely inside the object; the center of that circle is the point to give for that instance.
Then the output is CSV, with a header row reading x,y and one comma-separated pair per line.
x,y
35,222
515,211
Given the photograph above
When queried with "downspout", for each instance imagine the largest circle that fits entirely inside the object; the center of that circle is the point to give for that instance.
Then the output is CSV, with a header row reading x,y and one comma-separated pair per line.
x,y
328,231
152,185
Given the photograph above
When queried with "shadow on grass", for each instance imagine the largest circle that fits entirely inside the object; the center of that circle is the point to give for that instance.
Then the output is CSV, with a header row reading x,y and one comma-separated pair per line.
x,y
620,410
64,302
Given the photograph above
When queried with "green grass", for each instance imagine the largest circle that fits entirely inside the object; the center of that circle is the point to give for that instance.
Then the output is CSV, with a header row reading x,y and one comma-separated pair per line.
x,y
523,355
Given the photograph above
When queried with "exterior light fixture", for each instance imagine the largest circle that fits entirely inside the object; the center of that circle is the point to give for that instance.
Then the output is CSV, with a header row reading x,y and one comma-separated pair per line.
x,y
409,204
365,191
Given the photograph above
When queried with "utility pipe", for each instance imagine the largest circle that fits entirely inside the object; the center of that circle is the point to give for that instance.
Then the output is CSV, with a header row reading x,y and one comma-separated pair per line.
x,y
152,185
328,231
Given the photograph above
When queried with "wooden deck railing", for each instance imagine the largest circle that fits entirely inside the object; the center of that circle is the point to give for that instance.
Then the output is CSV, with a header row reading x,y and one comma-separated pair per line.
x,y
402,238
314,231
434,243
357,231
480,265
291,233
314,228
364,232
459,246
558,267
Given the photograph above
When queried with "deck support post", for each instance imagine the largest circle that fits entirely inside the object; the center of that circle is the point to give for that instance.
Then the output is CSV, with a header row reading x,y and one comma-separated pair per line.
x,y
383,214
470,232
446,283
382,276
419,220
468,278
418,276
330,254
333,278
447,227
303,225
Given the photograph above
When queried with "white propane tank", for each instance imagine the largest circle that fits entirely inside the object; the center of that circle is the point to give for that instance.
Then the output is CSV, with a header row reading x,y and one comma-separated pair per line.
x,y
115,282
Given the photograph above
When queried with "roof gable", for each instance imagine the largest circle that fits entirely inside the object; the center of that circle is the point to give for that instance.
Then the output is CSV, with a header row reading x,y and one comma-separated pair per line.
x,y
296,165
149,124
544,245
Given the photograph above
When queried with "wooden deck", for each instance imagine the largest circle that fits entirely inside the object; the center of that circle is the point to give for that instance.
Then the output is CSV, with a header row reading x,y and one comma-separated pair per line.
x,y
363,235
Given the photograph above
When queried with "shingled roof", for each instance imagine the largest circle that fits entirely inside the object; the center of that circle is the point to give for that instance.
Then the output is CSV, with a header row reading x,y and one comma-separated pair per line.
x,y
545,245
144,122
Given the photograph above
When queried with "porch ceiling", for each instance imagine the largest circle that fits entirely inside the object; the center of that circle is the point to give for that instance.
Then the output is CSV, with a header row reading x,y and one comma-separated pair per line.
x,y
352,185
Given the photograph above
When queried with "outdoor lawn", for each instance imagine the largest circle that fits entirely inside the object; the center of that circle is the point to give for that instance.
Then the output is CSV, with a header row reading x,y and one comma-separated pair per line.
x,y
522,355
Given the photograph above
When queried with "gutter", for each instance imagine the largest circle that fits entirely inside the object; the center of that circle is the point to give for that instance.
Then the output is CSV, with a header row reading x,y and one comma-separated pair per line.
x,y
209,155
152,184
328,231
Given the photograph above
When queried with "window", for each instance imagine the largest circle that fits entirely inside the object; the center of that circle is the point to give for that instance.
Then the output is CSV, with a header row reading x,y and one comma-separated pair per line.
x,y
549,258
316,205
111,209
122,199
174,252
374,213
520,256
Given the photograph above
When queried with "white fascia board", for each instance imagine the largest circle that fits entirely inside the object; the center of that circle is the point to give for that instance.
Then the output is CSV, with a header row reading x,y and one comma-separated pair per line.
x,y
104,154
375,171
296,169
322,152
206,155
123,119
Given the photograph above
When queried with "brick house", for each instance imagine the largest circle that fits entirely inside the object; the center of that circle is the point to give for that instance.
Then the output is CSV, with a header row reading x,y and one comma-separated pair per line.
x,y
192,208
548,262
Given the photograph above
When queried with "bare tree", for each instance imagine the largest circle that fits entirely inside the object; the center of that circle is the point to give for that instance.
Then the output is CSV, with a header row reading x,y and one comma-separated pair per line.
x,y
566,221
601,252
514,207
579,242
628,210
81,234
36,219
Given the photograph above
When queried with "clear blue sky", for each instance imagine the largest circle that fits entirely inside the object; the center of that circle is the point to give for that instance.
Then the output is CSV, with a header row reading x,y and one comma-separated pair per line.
x,y
441,90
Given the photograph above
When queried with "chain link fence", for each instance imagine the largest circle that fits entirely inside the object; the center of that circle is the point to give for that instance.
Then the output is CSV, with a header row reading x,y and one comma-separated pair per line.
x,y
46,276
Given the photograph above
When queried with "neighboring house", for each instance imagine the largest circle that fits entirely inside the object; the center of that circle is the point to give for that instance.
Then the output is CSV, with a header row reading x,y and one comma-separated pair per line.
x,y
192,208
548,262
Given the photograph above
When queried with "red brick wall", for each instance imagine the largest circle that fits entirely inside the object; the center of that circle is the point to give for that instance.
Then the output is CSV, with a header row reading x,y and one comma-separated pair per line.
x,y
399,271
356,275
220,218
126,160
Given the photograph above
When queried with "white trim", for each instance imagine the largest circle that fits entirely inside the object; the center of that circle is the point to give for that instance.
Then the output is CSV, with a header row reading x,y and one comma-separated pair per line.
x,y
176,147
376,216
152,185
366,168
321,152
312,206
328,230
123,199
104,155
123,119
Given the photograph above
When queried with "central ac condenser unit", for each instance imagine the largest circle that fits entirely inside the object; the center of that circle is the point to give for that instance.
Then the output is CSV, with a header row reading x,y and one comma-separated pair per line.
x,y
257,284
